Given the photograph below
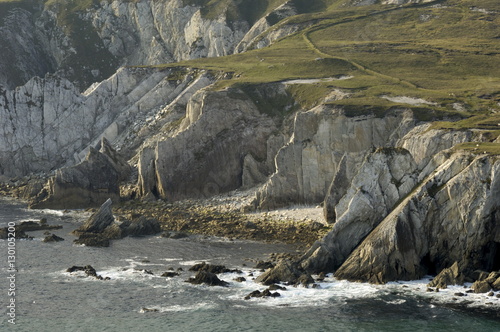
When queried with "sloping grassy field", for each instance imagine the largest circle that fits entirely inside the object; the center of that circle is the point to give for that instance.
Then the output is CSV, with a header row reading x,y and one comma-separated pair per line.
x,y
444,52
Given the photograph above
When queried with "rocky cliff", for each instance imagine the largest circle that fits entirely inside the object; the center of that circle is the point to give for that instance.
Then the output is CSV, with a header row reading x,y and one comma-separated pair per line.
x,y
403,194
87,42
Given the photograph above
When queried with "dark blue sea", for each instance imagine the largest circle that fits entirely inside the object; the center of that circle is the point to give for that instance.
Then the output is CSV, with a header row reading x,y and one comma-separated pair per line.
x,y
47,298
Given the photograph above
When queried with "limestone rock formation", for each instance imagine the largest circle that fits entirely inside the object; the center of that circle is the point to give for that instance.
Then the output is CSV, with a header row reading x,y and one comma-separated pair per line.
x,y
385,177
87,184
321,138
451,216
220,128
55,124
100,220
102,227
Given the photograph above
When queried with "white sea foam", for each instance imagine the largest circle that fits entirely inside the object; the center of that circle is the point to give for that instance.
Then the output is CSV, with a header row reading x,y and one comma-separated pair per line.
x,y
178,308
340,290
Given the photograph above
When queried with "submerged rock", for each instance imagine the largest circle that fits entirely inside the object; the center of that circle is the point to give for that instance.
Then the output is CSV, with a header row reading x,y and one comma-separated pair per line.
x,y
89,271
170,274
265,293
27,226
216,269
52,238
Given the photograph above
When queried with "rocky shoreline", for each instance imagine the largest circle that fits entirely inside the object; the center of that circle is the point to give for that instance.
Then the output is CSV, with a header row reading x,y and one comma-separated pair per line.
x,y
221,217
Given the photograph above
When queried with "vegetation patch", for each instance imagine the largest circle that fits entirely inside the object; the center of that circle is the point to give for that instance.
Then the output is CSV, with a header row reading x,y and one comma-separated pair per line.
x,y
479,148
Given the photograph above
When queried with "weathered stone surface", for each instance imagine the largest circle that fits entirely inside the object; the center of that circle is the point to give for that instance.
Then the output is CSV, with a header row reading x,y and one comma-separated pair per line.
x,y
265,293
52,238
87,184
307,164
27,226
496,284
98,222
212,268
481,287
141,226
451,215
448,276
284,271
89,271
55,123
359,205
220,128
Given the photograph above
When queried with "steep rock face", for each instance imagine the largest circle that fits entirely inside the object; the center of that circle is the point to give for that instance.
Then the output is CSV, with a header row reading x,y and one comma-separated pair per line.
x,y
88,45
255,37
384,178
321,138
451,216
154,32
47,123
23,54
206,156
424,143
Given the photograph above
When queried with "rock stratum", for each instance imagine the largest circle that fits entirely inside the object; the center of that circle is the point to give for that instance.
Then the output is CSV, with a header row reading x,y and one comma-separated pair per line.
x,y
403,194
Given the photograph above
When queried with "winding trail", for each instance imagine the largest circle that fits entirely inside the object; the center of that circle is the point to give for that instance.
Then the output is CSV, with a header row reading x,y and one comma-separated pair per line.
x,y
306,36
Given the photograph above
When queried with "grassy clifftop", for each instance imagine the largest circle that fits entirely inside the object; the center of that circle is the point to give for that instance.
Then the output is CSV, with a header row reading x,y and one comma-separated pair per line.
x,y
442,56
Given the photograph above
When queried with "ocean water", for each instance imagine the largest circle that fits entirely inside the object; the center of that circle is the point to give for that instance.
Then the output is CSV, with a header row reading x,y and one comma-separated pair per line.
x,y
49,299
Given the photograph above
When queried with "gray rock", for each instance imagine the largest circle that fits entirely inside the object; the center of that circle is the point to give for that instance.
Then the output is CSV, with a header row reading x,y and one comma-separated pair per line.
x,y
284,271
447,277
208,278
52,238
421,232
360,204
142,226
99,221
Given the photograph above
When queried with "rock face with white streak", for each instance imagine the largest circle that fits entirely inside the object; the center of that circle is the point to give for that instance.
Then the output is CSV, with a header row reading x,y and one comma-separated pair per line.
x,y
154,32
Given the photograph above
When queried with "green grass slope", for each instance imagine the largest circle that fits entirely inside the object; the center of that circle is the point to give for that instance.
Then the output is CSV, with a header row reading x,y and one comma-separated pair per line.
x,y
444,52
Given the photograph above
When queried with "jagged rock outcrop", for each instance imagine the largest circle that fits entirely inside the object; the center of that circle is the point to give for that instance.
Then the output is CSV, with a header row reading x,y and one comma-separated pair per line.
x,y
90,183
100,220
357,206
256,36
23,54
102,227
451,216
88,43
220,129
321,138
155,32
450,276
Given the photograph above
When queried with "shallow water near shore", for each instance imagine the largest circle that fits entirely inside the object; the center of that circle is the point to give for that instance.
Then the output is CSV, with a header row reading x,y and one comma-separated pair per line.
x,y
50,299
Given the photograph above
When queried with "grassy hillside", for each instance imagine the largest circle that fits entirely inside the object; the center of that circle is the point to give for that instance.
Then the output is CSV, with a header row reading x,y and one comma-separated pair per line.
x,y
446,53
